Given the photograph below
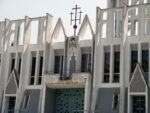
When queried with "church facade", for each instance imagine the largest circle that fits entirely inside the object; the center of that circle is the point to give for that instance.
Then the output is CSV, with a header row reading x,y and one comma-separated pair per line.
x,y
106,71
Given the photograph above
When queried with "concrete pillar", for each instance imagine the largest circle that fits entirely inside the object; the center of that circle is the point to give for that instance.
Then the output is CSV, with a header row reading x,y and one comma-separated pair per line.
x,y
47,40
87,96
37,68
111,63
25,59
78,57
4,60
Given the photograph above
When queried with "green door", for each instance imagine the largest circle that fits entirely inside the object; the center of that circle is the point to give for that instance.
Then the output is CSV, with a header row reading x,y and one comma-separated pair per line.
x,y
70,100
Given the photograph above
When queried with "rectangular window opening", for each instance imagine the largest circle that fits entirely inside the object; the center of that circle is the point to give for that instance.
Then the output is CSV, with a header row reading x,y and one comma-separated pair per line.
x,y
34,32
106,67
19,66
86,63
33,70
11,105
116,67
134,60
145,60
58,64
40,70
104,28
21,34
136,23
147,24
12,64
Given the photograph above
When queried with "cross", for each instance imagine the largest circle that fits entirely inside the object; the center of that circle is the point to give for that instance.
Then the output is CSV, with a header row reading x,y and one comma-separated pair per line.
x,y
75,18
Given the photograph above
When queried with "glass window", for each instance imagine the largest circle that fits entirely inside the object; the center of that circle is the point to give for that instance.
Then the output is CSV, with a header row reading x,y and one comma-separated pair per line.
x,y
33,70
58,64
134,59
12,64
19,67
106,66
86,63
145,60
116,66
40,70
11,106
138,104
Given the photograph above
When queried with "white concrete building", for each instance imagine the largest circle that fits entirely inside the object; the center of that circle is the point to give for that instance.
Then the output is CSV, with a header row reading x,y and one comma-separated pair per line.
x,y
107,72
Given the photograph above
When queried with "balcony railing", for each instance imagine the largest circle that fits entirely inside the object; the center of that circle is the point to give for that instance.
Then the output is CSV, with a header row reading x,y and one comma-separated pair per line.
x,y
77,80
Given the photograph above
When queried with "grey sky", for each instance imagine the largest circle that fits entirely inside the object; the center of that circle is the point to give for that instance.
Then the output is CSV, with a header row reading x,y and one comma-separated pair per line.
x,y
18,9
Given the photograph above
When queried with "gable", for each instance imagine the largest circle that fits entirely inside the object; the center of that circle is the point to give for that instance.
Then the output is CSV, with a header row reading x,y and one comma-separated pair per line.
x,y
60,27
86,26
12,85
138,83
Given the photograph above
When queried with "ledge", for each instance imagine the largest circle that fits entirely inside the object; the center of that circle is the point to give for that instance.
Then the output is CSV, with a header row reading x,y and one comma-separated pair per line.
x,y
78,80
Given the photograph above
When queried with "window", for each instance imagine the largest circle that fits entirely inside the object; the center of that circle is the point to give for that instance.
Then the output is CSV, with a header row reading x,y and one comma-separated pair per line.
x,y
12,64
106,66
11,106
115,102
58,64
116,66
145,60
19,66
134,59
138,104
86,63
26,101
40,70
33,70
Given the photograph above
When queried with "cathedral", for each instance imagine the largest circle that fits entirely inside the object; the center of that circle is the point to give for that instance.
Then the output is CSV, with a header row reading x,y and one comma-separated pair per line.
x,y
106,71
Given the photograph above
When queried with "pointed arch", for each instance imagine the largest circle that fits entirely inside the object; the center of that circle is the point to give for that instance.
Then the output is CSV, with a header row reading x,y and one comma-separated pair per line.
x,y
138,82
59,25
13,83
86,22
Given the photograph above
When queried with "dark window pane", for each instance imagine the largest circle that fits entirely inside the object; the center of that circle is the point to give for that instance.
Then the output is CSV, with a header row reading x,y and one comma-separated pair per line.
x,y
33,66
33,70
12,64
106,78
11,107
19,68
106,66
116,66
107,63
117,62
32,81
145,60
41,65
138,104
86,62
58,64
40,70
116,77
134,59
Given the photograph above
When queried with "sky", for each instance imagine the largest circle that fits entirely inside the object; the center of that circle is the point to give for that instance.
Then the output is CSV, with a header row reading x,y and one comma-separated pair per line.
x,y
18,9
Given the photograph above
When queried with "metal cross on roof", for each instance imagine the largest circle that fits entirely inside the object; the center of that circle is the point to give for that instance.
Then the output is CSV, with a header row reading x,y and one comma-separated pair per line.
x,y
76,18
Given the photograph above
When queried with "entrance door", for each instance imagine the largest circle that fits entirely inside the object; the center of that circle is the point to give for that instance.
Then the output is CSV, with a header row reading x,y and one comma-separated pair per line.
x,y
69,100
138,104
